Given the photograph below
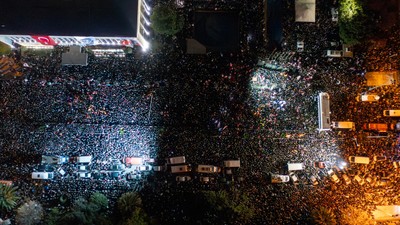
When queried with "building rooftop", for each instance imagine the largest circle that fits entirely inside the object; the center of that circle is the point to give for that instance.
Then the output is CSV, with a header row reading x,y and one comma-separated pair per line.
x,y
69,17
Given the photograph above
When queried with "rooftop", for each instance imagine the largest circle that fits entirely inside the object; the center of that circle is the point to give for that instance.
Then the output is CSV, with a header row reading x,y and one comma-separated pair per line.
x,y
69,17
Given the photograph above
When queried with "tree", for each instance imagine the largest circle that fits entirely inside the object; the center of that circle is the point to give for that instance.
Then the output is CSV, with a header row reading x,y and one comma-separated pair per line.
x,y
352,21
323,216
232,206
29,213
8,197
4,49
100,200
354,216
138,217
88,212
53,217
128,202
165,20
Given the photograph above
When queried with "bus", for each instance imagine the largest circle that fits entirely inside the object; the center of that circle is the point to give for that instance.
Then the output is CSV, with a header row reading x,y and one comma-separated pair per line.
x,y
324,112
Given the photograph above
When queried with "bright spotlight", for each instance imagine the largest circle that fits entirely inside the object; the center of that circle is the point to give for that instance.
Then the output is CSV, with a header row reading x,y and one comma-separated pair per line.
x,y
145,46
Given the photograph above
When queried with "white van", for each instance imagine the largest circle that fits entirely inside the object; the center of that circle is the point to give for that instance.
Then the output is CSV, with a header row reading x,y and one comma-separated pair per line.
x,y
54,159
42,175
359,159
81,159
208,169
176,160
295,166
180,169
334,53
344,125
232,163
276,179
391,113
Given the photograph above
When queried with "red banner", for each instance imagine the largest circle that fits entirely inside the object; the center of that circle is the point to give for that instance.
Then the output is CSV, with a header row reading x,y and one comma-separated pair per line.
x,y
44,40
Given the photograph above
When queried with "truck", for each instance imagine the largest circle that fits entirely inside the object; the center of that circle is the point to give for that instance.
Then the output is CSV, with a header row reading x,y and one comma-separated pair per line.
x,y
134,161
54,159
81,159
208,169
180,169
277,179
295,166
345,125
232,163
176,160
42,175
359,159
379,127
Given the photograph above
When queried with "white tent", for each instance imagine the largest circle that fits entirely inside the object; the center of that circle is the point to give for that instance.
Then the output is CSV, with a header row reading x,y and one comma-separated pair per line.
x,y
305,10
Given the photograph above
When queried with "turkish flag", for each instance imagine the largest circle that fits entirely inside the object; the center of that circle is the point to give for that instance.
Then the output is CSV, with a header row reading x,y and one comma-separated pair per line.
x,y
44,40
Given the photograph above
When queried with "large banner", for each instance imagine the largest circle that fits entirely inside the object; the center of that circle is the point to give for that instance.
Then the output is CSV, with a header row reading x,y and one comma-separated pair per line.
x,y
44,40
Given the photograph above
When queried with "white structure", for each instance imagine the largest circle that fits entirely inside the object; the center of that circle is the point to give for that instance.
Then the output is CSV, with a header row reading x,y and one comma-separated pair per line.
x,y
75,22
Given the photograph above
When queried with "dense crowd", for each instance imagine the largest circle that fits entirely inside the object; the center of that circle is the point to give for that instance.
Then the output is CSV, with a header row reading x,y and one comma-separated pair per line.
x,y
208,108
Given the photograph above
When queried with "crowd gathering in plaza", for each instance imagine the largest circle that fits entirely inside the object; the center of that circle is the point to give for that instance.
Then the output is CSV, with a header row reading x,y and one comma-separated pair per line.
x,y
208,108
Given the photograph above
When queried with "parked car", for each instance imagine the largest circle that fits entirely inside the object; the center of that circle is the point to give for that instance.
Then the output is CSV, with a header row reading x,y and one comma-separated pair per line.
x,y
335,14
42,175
54,159
208,169
182,178
84,175
346,179
367,98
294,177
134,161
379,158
320,165
276,179
360,180
378,127
176,160
313,180
333,176
206,179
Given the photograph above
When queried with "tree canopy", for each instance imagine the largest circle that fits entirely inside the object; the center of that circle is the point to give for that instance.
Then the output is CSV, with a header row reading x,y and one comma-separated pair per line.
x,y
230,205
88,212
29,213
352,21
323,216
4,49
166,20
8,197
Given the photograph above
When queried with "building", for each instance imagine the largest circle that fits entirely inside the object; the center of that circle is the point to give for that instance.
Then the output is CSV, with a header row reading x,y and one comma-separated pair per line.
x,y
47,23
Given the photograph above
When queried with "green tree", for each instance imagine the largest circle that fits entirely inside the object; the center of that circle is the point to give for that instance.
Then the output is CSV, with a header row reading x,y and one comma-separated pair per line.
x,y
29,213
166,20
352,21
128,202
87,212
8,197
233,206
100,200
138,217
53,217
354,216
323,216
4,49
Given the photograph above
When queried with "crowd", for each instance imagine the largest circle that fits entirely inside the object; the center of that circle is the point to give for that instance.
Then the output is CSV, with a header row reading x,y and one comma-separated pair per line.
x,y
208,108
